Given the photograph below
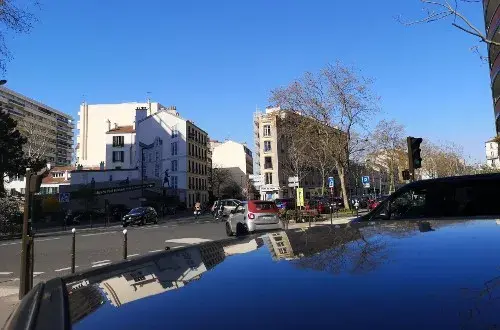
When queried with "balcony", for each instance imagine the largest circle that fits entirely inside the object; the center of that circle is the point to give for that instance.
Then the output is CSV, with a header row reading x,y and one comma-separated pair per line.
x,y
495,22
268,166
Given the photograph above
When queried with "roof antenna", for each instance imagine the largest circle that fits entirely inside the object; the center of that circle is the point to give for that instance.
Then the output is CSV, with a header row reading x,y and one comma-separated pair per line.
x,y
149,102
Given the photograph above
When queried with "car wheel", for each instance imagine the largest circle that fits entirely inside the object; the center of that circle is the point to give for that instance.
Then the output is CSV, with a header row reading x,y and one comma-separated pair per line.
x,y
124,225
155,220
239,229
143,222
229,232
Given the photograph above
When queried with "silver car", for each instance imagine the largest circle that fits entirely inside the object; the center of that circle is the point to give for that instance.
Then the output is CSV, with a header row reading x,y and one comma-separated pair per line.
x,y
251,216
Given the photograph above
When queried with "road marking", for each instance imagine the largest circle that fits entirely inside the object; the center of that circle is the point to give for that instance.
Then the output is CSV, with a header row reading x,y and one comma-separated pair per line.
x,y
47,239
95,234
133,255
12,243
152,227
37,273
99,265
99,262
155,251
62,269
193,240
5,273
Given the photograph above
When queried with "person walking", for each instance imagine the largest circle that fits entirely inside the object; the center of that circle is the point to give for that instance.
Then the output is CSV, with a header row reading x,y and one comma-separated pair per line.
x,y
197,209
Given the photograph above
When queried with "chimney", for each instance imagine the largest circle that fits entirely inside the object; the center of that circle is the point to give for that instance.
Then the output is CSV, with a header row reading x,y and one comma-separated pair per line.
x,y
140,114
101,166
66,175
109,124
116,125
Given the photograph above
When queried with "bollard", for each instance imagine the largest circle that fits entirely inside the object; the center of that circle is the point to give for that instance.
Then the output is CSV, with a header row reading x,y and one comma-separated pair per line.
x,y
73,250
124,244
331,215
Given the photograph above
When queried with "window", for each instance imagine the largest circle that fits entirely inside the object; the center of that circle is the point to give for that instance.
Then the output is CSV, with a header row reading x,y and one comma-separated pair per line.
x,y
267,146
269,178
118,156
157,156
173,182
157,170
118,141
174,148
267,130
174,166
268,163
189,166
150,157
175,131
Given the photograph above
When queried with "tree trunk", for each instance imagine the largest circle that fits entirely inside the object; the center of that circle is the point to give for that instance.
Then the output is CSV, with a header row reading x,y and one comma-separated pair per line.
x,y
2,185
323,182
341,171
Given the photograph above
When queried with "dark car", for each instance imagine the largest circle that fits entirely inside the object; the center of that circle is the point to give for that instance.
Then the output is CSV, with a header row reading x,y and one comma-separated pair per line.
x,y
285,203
140,216
373,275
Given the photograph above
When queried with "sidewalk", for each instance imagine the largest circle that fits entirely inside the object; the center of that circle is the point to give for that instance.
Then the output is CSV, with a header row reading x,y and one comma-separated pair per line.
x,y
8,300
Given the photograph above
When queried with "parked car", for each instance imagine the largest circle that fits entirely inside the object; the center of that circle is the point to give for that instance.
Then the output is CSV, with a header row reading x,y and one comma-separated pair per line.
x,y
229,205
285,203
140,216
251,216
321,204
373,203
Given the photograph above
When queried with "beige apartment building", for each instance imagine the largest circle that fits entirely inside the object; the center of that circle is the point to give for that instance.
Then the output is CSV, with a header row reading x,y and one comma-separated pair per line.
x,y
235,157
270,152
49,131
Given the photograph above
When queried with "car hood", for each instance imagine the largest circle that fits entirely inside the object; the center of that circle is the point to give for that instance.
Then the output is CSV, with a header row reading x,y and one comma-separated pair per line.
x,y
405,275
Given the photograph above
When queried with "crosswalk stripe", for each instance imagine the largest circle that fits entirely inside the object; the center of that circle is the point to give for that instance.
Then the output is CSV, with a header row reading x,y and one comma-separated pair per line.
x,y
5,273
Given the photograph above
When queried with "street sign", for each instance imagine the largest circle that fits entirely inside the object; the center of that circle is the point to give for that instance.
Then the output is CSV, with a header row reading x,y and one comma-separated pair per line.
x,y
331,182
63,197
300,196
293,179
366,181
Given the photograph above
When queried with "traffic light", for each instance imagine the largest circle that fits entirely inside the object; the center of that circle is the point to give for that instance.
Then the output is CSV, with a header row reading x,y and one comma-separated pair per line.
x,y
415,160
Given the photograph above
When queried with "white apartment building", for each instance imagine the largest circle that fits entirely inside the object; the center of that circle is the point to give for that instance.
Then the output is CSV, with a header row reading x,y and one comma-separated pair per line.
x,y
268,152
492,153
174,151
120,147
49,131
95,120
234,156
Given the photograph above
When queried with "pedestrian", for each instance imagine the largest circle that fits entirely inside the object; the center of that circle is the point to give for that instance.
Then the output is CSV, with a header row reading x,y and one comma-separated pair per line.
x,y
197,209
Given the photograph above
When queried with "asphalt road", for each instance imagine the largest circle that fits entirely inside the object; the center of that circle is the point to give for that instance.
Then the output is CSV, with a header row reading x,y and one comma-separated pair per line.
x,y
99,248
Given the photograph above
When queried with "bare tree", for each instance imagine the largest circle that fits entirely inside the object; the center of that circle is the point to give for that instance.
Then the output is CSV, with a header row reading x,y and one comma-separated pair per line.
x,y
439,10
339,99
219,178
36,147
14,18
389,147
443,160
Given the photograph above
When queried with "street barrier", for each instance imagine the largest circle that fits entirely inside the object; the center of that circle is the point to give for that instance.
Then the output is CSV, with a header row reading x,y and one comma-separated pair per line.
x,y
124,244
73,250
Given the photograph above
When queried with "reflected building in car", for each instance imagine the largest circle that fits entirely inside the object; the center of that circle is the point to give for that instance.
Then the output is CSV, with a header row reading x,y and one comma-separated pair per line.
x,y
171,271
492,23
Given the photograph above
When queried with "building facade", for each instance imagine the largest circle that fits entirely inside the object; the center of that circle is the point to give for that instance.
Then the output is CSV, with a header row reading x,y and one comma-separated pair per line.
x,y
120,148
58,176
234,156
49,131
492,23
271,152
95,120
492,153
173,151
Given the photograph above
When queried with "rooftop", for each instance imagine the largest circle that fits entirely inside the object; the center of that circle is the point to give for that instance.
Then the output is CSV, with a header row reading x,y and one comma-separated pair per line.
x,y
122,130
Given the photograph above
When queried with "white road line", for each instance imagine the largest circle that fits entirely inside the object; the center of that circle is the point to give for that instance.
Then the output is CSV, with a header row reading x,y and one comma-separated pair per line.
x,y
133,255
193,240
63,269
12,243
99,265
95,234
155,251
47,239
37,273
5,273
99,262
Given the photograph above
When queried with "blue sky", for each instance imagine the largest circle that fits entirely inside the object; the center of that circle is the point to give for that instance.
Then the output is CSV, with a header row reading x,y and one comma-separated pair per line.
x,y
218,60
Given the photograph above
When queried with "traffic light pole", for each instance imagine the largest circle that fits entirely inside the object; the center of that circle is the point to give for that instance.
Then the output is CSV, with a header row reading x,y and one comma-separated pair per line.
x,y
24,282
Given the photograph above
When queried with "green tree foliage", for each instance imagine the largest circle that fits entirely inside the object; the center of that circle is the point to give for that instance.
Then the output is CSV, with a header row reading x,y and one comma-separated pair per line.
x,y
12,161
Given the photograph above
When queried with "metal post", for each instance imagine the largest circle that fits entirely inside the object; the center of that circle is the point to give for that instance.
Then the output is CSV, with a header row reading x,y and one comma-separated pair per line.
x,y
124,244
331,214
410,160
23,281
73,251
31,261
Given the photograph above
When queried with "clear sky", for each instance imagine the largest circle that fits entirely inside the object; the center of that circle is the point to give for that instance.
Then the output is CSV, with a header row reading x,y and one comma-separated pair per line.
x,y
218,60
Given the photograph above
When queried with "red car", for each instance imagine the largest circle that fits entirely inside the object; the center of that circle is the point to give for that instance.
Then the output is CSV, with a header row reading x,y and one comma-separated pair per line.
x,y
373,203
318,204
